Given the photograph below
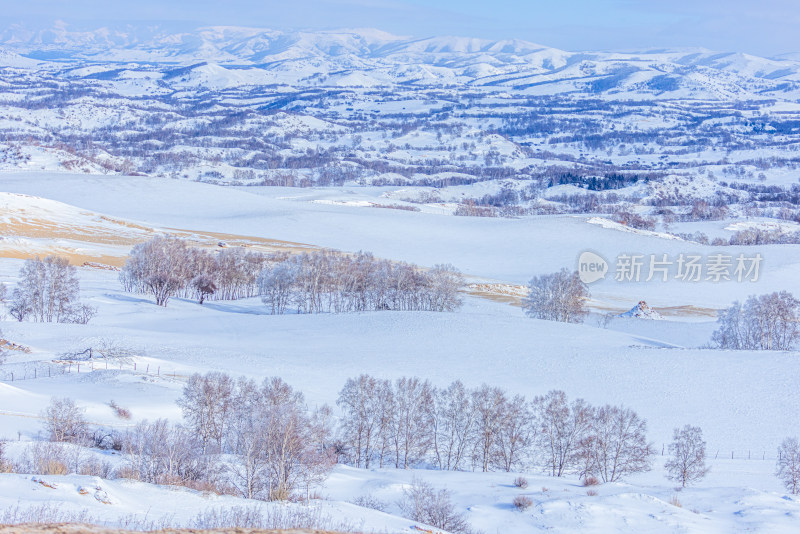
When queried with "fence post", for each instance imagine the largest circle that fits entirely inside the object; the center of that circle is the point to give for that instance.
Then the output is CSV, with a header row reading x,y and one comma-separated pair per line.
x,y
147,371
48,371
34,372
731,455
12,376
159,370
134,366
79,368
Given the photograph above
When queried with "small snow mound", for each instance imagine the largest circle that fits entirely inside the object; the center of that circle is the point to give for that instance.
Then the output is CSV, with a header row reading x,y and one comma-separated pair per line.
x,y
642,311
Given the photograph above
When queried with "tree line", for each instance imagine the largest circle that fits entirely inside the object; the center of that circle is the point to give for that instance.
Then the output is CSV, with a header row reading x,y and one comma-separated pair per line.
x,y
261,441
410,423
311,282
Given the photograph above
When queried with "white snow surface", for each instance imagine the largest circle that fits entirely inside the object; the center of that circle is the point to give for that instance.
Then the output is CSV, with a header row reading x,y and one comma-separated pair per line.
x,y
745,402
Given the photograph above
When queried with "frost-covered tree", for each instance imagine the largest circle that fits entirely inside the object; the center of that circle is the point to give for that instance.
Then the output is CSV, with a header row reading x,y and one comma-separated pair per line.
x,y
558,296
361,418
207,404
489,404
452,426
275,444
517,435
687,463
765,322
276,285
788,465
156,267
65,421
616,445
48,291
324,281
421,502
411,432
563,428
163,453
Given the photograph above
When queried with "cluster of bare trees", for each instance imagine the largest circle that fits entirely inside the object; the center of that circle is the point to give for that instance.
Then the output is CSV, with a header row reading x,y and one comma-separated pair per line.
x,y
258,441
559,296
313,282
48,291
409,422
765,322
166,267
273,445
324,281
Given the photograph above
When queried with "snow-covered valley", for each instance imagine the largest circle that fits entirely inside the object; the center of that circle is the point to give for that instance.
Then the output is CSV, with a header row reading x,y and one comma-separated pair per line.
x,y
744,400
480,261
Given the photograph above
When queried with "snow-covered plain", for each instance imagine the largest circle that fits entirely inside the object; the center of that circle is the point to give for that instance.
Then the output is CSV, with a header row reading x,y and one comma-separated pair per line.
x,y
745,402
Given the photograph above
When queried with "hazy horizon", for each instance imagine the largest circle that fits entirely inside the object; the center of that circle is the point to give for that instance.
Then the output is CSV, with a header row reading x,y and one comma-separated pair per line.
x,y
574,25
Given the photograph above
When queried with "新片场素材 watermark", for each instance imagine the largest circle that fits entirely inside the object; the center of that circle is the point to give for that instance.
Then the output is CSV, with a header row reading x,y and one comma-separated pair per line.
x,y
664,267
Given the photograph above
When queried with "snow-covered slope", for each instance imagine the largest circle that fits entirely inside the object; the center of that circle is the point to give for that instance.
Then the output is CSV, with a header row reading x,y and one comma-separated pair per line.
x,y
743,400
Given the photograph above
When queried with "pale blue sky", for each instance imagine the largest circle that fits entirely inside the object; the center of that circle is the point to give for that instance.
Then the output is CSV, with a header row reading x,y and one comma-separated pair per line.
x,y
764,27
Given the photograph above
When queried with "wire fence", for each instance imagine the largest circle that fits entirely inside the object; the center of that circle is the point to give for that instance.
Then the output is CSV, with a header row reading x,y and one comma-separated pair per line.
x,y
732,454
38,370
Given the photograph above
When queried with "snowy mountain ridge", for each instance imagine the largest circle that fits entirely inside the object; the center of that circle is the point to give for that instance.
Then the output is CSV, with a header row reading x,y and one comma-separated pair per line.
x,y
373,57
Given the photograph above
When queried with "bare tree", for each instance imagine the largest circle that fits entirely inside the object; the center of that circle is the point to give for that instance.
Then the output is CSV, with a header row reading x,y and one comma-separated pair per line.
x,y
421,502
275,445
411,422
688,456
206,405
563,427
788,465
247,437
204,286
276,285
765,322
559,296
64,421
326,281
162,453
489,405
517,435
361,418
48,291
156,267
452,425
617,444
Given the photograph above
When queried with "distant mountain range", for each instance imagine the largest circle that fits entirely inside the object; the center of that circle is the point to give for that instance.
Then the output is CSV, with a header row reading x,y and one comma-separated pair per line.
x,y
221,57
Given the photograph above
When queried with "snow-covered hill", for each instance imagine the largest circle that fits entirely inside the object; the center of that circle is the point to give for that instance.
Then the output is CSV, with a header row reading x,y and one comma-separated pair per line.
x,y
642,310
381,57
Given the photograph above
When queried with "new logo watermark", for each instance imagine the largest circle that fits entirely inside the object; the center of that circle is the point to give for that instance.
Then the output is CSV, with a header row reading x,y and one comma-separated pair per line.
x,y
591,267
663,267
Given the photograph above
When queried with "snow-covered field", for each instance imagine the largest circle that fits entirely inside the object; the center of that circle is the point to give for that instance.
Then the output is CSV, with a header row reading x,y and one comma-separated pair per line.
x,y
745,402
